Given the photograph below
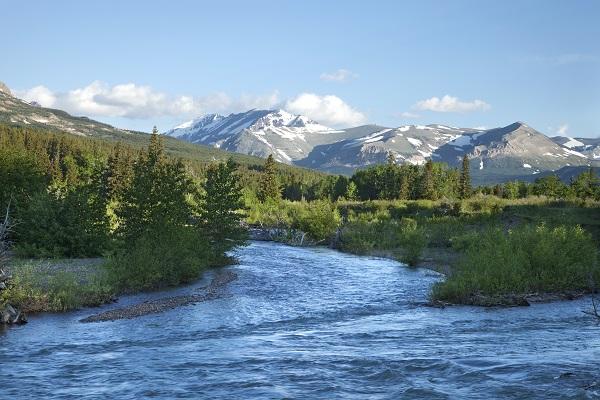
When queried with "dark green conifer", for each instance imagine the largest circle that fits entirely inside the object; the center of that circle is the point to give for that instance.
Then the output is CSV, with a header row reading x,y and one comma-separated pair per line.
x,y
464,186
269,188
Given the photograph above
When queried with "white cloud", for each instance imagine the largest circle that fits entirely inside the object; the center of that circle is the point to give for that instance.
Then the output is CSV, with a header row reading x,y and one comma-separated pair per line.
x,y
341,75
562,130
39,94
451,104
133,101
407,114
141,102
329,109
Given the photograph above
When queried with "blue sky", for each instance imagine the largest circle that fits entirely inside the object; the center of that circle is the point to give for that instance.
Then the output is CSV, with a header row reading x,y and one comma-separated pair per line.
x,y
465,63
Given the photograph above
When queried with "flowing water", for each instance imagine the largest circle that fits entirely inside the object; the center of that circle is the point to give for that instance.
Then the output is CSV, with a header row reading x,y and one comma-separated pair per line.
x,y
309,323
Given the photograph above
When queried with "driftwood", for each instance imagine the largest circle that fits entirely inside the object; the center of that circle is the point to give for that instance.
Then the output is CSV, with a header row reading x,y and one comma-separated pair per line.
x,y
8,314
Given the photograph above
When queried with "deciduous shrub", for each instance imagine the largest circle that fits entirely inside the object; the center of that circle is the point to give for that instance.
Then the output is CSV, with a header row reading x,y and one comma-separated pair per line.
x,y
525,260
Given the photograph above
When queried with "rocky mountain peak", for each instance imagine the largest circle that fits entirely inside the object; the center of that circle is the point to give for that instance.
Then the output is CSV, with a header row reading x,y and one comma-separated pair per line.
x,y
5,89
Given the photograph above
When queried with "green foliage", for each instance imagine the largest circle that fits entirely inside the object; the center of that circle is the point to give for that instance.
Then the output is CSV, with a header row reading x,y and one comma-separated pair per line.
x,y
528,259
21,177
464,188
170,256
404,237
221,208
68,223
412,240
157,196
586,185
550,186
269,186
319,219
351,191
31,291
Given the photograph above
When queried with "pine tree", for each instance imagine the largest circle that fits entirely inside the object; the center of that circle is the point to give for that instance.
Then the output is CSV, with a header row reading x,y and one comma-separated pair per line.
x,y
427,182
269,186
119,171
404,191
157,196
389,190
464,189
221,207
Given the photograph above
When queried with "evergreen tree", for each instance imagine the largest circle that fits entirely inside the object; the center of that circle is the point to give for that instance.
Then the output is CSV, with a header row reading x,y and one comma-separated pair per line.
x,y
586,185
157,196
221,206
389,187
269,186
119,172
427,182
464,189
404,192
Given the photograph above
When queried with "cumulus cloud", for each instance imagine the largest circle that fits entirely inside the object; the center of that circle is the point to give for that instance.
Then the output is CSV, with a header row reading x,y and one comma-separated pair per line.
x,y
329,109
451,104
141,102
563,129
40,94
341,75
133,101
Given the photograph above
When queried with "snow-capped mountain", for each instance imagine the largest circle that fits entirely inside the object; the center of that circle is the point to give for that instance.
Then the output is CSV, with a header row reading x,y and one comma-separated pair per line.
x,y
412,144
496,155
287,136
589,147
514,150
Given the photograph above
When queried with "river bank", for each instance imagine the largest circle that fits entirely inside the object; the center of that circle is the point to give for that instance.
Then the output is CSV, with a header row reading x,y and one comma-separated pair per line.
x,y
443,260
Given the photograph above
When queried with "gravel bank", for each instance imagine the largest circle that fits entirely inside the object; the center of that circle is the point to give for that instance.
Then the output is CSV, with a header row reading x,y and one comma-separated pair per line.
x,y
211,292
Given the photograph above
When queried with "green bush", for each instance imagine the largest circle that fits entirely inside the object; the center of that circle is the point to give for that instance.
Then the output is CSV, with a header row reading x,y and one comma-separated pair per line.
x,y
358,237
412,240
319,219
172,256
525,260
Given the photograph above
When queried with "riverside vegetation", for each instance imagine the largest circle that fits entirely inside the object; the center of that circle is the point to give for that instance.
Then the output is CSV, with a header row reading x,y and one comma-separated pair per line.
x,y
156,220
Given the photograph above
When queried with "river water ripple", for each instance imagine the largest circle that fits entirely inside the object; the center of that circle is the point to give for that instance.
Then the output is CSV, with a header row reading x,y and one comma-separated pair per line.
x,y
309,323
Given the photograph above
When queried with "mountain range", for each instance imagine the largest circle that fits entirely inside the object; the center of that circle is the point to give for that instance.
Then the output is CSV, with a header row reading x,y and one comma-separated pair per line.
x,y
497,155
516,151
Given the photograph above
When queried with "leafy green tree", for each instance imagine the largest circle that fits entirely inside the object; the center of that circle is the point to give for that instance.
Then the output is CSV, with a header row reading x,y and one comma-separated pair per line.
x,y
269,188
550,186
464,190
221,207
511,190
586,185
351,191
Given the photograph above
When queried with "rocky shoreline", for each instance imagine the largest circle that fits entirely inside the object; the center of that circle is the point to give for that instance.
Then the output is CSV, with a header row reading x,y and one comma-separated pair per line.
x,y
211,292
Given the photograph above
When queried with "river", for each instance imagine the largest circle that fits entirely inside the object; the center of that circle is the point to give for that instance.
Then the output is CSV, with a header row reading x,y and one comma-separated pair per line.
x,y
309,323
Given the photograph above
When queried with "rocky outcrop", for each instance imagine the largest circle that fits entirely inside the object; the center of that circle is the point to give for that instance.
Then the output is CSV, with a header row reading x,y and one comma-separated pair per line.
x,y
4,88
